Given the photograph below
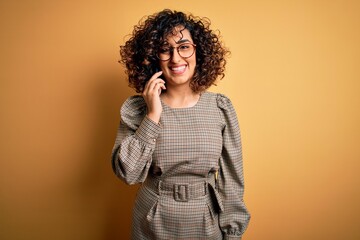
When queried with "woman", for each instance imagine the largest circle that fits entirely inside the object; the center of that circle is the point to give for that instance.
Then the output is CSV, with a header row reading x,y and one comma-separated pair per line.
x,y
180,141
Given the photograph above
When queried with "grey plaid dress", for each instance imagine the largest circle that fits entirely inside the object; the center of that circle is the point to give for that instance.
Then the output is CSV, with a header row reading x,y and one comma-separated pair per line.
x,y
190,167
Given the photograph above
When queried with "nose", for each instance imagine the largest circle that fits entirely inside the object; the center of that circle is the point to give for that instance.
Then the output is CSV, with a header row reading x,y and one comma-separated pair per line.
x,y
175,56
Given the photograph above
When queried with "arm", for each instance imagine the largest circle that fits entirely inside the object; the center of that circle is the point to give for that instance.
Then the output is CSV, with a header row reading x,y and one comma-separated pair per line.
x,y
135,142
137,133
235,217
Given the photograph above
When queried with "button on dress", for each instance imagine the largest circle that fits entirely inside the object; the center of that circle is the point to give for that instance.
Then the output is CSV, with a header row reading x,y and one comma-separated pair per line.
x,y
189,146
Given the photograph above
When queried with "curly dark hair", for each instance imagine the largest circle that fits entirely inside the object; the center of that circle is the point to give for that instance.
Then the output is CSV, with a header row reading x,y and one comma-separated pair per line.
x,y
139,54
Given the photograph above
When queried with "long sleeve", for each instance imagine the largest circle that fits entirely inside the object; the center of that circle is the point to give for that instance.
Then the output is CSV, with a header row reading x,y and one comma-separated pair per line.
x,y
235,217
135,142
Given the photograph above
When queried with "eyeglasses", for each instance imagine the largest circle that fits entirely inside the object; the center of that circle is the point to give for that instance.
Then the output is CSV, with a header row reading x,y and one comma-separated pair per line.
x,y
185,50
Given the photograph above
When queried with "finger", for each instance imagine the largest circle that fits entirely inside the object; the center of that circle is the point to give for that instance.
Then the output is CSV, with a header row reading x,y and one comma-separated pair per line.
x,y
158,87
153,77
156,75
161,87
154,84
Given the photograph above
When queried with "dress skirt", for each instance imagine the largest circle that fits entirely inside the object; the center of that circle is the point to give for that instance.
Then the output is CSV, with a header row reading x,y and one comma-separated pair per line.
x,y
160,216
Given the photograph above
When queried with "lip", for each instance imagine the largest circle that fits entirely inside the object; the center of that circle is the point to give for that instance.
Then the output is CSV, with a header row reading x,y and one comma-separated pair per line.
x,y
178,69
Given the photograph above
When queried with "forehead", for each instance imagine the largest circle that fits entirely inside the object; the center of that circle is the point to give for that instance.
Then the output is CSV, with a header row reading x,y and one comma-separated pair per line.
x,y
178,34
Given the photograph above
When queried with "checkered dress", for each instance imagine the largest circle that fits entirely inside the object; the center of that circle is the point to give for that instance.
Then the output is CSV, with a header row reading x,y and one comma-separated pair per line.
x,y
190,167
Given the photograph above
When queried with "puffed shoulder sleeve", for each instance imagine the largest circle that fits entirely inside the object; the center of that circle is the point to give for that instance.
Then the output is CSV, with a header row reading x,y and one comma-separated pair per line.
x,y
235,217
135,141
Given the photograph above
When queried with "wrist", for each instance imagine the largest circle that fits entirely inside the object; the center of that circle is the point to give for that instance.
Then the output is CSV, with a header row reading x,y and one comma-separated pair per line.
x,y
155,117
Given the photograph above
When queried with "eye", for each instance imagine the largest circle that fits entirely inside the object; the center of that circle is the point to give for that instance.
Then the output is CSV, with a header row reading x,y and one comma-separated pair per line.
x,y
184,46
164,50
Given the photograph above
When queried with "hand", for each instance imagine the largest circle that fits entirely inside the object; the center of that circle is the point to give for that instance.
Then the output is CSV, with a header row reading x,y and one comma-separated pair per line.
x,y
151,95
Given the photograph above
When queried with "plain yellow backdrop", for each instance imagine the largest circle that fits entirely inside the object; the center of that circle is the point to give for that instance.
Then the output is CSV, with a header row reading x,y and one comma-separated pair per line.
x,y
293,77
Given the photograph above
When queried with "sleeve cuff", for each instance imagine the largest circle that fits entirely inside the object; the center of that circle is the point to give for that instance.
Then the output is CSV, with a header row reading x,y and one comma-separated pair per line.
x,y
232,234
148,131
227,237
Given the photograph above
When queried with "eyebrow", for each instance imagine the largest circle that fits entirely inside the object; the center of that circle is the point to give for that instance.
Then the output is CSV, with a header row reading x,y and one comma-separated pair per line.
x,y
182,41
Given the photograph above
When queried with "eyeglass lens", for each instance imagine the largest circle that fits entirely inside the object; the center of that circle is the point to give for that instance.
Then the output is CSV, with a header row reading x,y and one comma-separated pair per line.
x,y
185,50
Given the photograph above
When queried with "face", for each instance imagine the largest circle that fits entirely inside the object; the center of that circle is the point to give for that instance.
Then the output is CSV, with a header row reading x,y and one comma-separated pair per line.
x,y
178,70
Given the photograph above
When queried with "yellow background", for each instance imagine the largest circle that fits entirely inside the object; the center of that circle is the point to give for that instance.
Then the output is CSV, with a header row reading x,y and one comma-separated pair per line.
x,y
293,77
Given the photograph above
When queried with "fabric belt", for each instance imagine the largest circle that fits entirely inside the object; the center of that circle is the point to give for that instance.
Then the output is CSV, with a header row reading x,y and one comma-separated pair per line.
x,y
181,192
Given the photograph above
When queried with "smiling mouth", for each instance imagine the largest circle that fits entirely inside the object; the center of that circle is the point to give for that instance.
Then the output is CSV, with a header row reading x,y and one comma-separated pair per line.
x,y
178,69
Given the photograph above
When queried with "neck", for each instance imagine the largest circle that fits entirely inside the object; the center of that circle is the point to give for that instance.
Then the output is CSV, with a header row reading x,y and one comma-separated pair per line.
x,y
177,98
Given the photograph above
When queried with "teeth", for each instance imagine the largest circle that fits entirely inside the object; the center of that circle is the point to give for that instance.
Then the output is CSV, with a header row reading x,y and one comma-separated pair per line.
x,y
178,68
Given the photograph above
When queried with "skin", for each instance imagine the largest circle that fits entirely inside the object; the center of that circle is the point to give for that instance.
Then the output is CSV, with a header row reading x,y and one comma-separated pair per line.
x,y
151,95
177,72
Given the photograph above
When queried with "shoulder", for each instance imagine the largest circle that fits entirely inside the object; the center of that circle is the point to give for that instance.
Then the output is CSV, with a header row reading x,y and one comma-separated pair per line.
x,y
222,101
133,107
224,107
135,102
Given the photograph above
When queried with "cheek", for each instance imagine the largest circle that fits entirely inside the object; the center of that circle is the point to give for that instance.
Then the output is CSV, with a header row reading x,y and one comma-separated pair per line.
x,y
162,67
193,62
193,59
